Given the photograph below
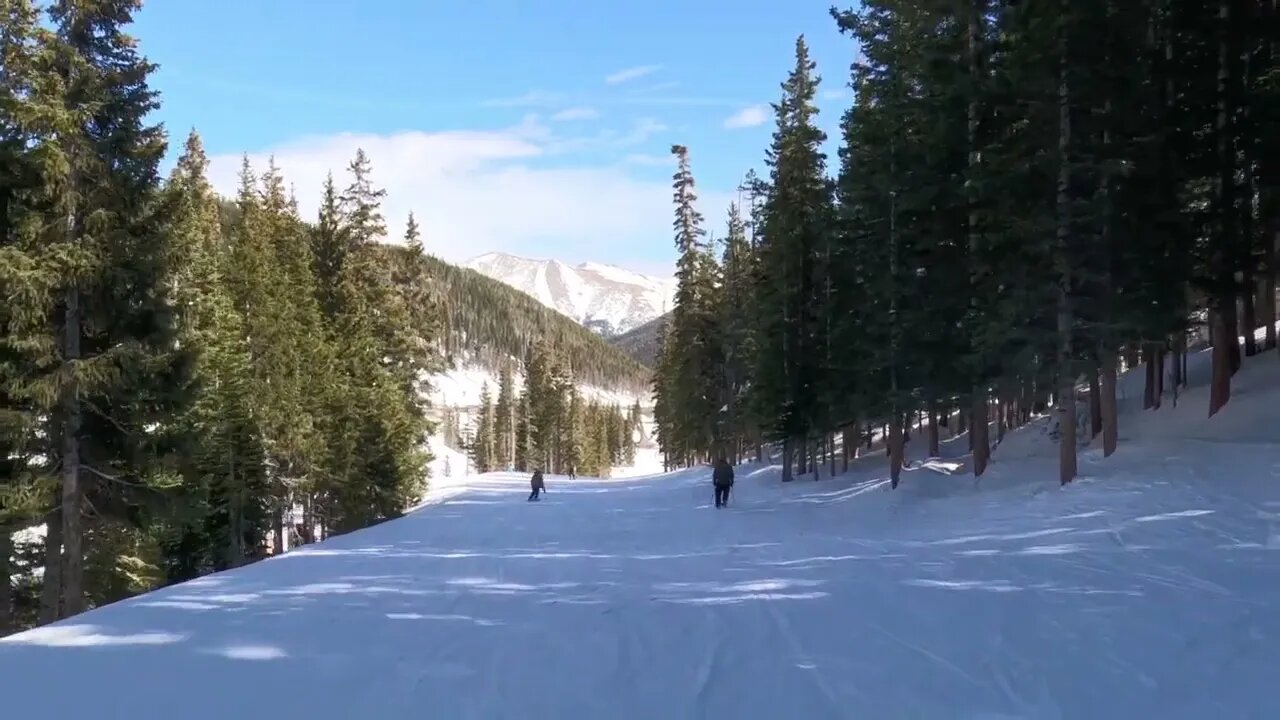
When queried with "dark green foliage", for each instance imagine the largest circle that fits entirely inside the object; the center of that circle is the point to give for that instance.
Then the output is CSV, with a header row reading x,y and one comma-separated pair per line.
x,y
179,373
504,420
484,436
641,342
797,222
691,365
1027,193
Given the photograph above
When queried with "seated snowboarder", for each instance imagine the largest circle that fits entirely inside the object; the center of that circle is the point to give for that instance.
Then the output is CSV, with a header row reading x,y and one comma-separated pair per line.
x,y
722,479
536,483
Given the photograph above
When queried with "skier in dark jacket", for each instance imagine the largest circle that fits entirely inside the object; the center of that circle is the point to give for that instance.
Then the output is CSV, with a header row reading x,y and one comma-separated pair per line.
x,y
536,483
722,478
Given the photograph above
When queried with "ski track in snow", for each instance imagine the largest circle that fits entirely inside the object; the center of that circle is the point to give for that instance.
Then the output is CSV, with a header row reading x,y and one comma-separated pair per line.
x,y
1150,588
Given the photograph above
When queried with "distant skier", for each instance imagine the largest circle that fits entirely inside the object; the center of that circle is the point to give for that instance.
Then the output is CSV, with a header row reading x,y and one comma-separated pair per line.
x,y
573,475
536,483
722,479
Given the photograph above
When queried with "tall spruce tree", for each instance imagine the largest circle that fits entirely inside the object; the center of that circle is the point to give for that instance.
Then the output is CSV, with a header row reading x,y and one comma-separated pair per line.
x,y
692,345
224,445
116,372
797,218
504,420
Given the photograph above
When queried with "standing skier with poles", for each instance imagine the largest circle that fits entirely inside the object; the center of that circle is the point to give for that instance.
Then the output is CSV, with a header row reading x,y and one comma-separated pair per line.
x,y
722,479
536,484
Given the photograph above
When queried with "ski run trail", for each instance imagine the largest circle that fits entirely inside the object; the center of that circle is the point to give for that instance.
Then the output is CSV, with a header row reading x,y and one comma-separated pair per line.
x,y
1149,588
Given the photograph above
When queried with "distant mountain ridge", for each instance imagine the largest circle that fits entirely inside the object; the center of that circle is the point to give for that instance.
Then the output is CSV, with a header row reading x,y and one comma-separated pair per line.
x,y
607,299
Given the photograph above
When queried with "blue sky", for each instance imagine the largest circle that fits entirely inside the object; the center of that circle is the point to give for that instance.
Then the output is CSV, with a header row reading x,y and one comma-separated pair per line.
x,y
537,127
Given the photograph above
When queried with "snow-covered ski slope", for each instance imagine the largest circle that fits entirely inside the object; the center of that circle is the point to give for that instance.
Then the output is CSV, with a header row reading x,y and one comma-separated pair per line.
x,y
1149,588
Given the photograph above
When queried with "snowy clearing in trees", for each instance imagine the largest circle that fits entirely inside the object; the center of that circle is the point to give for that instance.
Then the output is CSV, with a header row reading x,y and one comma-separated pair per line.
x,y
1150,587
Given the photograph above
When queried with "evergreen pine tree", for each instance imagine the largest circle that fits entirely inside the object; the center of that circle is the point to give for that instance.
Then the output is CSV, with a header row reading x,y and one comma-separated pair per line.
x,y
504,425
796,222
113,317
224,445
692,343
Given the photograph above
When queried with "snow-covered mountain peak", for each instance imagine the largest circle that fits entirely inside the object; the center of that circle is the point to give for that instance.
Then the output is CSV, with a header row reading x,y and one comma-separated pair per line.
x,y
605,298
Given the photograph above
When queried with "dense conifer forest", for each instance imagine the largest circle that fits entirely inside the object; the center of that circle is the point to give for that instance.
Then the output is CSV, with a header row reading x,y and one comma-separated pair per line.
x,y
189,382
641,343
1027,198
548,425
490,323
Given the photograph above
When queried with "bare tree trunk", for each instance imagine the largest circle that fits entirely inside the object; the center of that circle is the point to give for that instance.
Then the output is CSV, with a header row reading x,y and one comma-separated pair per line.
x,y
277,527
1267,288
847,444
72,495
308,522
787,451
1001,410
7,623
1095,404
831,454
235,531
1110,427
1179,349
895,449
1248,313
1158,356
1149,377
1220,383
1225,349
935,447
1062,259
979,437
51,587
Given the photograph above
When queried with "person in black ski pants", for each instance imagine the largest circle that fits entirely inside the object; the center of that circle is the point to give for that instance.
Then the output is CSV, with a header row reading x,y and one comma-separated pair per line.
x,y
722,479
536,483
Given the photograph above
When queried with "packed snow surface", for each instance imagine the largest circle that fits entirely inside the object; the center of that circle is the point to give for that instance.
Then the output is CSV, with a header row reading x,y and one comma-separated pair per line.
x,y
1148,588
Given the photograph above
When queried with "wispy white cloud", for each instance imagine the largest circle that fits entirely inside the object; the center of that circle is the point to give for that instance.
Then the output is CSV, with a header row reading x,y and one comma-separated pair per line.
x,y
751,116
631,73
533,98
475,191
608,140
836,94
576,113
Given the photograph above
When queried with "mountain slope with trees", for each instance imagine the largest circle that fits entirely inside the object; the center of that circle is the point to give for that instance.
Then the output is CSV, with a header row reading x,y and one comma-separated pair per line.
x,y
490,323
641,343
189,383
1028,198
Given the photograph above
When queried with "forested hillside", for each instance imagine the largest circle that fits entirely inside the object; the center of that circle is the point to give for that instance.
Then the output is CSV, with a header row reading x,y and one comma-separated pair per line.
x,y
490,323
189,383
1027,196
642,343
547,424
